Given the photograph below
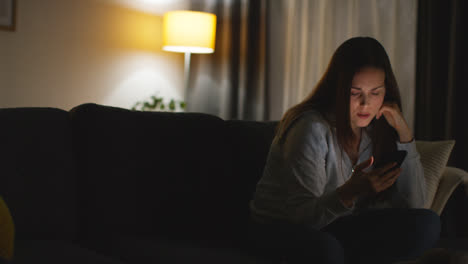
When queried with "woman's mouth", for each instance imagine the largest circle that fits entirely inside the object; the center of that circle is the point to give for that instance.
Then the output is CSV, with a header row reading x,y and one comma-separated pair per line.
x,y
363,116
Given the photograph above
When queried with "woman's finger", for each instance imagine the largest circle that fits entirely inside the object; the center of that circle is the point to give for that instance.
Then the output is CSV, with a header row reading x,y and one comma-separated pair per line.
x,y
390,108
383,169
391,105
391,175
384,182
364,165
389,182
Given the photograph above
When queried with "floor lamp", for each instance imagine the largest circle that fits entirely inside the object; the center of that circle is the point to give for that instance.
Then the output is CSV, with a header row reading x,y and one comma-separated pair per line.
x,y
189,32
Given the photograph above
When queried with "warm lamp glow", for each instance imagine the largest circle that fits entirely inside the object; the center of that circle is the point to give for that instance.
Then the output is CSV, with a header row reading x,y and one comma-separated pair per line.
x,y
189,31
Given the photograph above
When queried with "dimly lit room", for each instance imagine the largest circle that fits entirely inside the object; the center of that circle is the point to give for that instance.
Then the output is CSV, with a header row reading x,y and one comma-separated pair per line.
x,y
233,131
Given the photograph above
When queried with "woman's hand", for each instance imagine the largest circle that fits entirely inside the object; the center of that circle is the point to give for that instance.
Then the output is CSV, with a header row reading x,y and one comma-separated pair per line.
x,y
395,118
372,182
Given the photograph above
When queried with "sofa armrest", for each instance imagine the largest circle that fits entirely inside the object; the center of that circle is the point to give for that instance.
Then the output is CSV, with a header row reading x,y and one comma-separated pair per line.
x,y
451,178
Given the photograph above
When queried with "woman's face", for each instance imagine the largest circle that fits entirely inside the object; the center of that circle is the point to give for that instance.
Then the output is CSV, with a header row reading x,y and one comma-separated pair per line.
x,y
367,96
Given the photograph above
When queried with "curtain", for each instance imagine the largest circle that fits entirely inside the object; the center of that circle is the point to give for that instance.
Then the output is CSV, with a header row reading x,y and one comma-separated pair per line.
x,y
270,54
442,75
314,29
232,82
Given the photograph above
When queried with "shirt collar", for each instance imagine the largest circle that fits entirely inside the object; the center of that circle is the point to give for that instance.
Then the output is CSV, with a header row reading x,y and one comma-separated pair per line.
x,y
365,139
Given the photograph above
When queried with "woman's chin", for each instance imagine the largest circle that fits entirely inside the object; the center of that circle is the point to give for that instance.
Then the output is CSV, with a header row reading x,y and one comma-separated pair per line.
x,y
364,124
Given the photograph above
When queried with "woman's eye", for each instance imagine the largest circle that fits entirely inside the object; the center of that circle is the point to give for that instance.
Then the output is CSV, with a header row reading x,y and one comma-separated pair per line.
x,y
376,94
354,94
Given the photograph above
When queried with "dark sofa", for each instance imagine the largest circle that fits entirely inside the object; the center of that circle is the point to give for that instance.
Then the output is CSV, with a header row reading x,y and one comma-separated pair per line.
x,y
102,184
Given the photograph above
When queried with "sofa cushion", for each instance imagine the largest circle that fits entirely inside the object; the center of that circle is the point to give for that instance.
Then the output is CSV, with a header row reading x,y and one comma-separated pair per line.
x,y
136,250
58,252
249,143
151,173
37,172
434,157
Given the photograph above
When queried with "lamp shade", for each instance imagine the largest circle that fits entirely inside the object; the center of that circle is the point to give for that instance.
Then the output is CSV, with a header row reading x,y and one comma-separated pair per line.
x,y
189,31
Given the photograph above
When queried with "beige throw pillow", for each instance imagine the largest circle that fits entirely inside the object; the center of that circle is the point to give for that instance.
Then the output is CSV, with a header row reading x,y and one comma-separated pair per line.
x,y
434,157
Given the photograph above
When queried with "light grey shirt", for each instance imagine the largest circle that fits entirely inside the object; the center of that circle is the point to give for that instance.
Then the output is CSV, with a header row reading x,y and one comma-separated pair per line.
x,y
301,176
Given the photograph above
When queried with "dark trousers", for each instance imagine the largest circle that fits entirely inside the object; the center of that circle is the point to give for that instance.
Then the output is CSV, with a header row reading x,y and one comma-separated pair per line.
x,y
373,236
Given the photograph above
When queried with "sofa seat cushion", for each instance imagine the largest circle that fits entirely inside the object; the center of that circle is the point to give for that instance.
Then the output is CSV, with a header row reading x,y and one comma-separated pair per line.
x,y
57,251
139,250
459,244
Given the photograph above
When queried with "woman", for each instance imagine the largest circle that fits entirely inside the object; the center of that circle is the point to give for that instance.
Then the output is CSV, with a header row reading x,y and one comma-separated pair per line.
x,y
325,196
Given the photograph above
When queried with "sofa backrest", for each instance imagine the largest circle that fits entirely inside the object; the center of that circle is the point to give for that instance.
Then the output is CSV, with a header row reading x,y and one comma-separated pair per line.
x,y
151,173
249,143
37,172
99,171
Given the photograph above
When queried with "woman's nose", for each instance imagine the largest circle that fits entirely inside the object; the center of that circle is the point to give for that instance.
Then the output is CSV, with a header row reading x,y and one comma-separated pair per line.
x,y
364,100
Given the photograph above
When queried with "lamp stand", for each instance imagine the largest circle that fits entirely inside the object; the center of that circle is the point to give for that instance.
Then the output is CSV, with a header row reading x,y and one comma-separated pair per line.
x,y
187,76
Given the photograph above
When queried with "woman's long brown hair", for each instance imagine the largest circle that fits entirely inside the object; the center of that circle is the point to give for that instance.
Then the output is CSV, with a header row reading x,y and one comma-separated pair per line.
x,y
332,95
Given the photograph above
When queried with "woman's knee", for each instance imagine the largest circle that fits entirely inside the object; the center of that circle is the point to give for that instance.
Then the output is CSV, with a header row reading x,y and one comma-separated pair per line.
x,y
320,247
296,244
426,226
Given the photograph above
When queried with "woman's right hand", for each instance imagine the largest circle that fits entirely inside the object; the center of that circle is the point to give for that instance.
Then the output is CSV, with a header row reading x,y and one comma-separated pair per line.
x,y
372,182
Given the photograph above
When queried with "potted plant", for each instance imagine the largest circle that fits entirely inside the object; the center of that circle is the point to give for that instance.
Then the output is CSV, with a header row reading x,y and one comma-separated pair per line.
x,y
157,103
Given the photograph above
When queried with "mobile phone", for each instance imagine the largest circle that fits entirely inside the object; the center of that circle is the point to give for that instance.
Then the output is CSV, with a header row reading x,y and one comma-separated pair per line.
x,y
397,156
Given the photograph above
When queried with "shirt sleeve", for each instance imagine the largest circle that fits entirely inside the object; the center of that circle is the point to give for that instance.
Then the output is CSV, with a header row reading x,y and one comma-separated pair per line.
x,y
411,184
305,150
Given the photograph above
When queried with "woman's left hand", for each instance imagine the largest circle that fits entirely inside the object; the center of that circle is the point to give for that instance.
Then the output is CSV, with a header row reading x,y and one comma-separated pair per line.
x,y
395,118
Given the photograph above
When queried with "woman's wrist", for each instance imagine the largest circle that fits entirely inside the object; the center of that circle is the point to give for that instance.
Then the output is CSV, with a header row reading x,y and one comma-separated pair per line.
x,y
406,138
406,135
346,196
